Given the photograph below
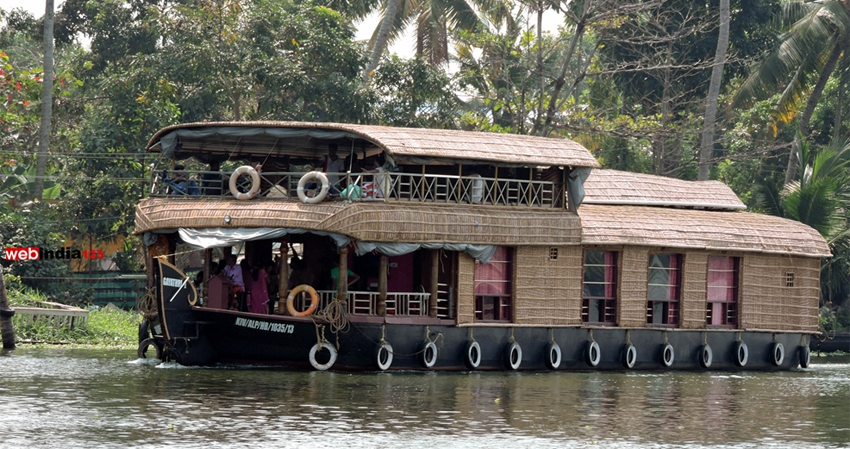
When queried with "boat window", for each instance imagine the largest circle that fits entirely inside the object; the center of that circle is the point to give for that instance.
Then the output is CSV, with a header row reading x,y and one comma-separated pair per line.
x,y
789,279
493,287
665,285
722,300
599,299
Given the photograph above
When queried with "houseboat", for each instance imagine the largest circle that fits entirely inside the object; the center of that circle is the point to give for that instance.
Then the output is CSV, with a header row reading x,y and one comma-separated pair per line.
x,y
376,248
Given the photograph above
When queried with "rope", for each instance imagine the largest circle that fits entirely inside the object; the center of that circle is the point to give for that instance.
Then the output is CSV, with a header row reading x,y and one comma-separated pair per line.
x,y
665,338
147,304
334,315
591,336
629,337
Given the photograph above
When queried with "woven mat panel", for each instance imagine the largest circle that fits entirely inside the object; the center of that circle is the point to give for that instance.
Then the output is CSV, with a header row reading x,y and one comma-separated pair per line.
x,y
420,222
698,229
768,303
694,290
613,186
634,269
547,291
411,142
465,289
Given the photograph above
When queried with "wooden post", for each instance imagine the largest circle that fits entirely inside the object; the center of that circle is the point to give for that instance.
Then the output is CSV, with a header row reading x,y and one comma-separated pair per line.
x,y
205,291
283,275
6,330
342,282
435,275
381,307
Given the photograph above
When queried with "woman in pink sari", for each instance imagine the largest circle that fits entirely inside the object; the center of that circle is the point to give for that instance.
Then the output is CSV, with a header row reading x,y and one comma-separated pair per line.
x,y
259,292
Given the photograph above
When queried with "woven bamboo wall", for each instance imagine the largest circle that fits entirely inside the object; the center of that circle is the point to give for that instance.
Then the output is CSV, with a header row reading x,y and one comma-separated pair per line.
x,y
465,289
547,292
694,290
634,270
768,304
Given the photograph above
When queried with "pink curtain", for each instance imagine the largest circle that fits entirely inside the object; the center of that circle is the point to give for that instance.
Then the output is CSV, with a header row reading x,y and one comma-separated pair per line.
x,y
493,277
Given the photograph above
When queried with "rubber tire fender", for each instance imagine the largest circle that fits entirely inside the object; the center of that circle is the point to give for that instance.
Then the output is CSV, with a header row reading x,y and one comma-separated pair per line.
x,y
629,356
424,358
553,356
805,356
472,355
593,354
513,355
742,354
706,356
777,350
322,366
384,362
668,355
145,344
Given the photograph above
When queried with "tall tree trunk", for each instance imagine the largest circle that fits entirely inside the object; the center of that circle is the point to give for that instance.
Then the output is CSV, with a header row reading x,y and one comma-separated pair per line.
x,y
707,146
7,333
46,102
814,98
381,40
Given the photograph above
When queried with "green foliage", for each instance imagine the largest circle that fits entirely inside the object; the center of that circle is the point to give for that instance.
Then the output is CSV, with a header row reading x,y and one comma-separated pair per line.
x,y
415,94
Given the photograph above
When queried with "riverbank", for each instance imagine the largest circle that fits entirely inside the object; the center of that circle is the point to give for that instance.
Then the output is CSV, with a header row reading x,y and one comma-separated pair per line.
x,y
106,327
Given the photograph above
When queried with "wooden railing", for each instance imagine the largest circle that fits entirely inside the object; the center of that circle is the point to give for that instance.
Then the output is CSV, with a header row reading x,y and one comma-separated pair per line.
x,y
57,315
384,186
365,303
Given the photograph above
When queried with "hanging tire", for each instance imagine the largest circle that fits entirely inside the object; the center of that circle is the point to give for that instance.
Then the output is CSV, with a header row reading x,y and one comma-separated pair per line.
x,y
428,356
593,354
144,331
668,354
513,355
145,345
805,356
742,354
384,356
706,356
553,355
331,360
473,355
172,355
629,356
778,352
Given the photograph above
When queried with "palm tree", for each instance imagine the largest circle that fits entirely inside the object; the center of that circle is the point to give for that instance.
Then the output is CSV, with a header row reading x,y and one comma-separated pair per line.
x,y
802,62
432,18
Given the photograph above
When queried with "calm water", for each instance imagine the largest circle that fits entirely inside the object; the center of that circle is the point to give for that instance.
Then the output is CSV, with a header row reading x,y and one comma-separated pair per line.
x,y
84,398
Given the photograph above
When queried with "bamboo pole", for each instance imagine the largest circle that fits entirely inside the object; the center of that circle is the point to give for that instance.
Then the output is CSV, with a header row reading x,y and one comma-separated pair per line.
x,y
435,274
382,286
342,282
205,291
6,330
283,275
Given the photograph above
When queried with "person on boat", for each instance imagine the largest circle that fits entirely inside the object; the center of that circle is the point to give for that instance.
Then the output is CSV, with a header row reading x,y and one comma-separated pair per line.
x,y
259,291
248,280
234,273
376,188
352,278
272,283
213,180
178,183
332,165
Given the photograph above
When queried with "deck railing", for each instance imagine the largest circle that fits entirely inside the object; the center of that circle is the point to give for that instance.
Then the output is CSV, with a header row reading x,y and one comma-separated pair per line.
x,y
56,315
385,186
365,303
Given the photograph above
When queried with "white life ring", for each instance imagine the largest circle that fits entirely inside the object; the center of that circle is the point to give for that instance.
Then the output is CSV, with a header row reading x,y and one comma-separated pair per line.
x,y
428,357
594,354
473,354
513,355
706,356
668,354
553,355
310,176
255,182
384,356
322,366
629,356
778,354
742,354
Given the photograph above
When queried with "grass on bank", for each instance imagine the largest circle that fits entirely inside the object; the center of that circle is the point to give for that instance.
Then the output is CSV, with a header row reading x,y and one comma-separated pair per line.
x,y
106,327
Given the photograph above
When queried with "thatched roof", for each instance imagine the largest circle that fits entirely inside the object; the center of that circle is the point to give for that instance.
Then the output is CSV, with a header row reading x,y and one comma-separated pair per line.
x,y
625,188
414,145
698,229
369,221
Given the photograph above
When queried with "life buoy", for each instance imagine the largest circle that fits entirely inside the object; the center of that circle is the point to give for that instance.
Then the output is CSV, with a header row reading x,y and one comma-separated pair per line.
x,y
805,356
742,354
428,356
145,345
553,355
513,355
310,176
593,354
778,351
255,182
668,354
706,356
331,359
314,300
384,356
629,356
473,355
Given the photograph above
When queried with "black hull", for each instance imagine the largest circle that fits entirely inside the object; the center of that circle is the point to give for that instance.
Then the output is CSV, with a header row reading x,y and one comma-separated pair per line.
x,y
212,336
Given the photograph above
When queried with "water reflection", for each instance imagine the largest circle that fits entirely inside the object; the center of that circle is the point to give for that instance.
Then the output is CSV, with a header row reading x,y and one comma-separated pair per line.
x,y
79,398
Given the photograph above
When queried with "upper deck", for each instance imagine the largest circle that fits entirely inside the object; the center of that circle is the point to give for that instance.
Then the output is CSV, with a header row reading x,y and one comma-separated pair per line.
x,y
379,163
